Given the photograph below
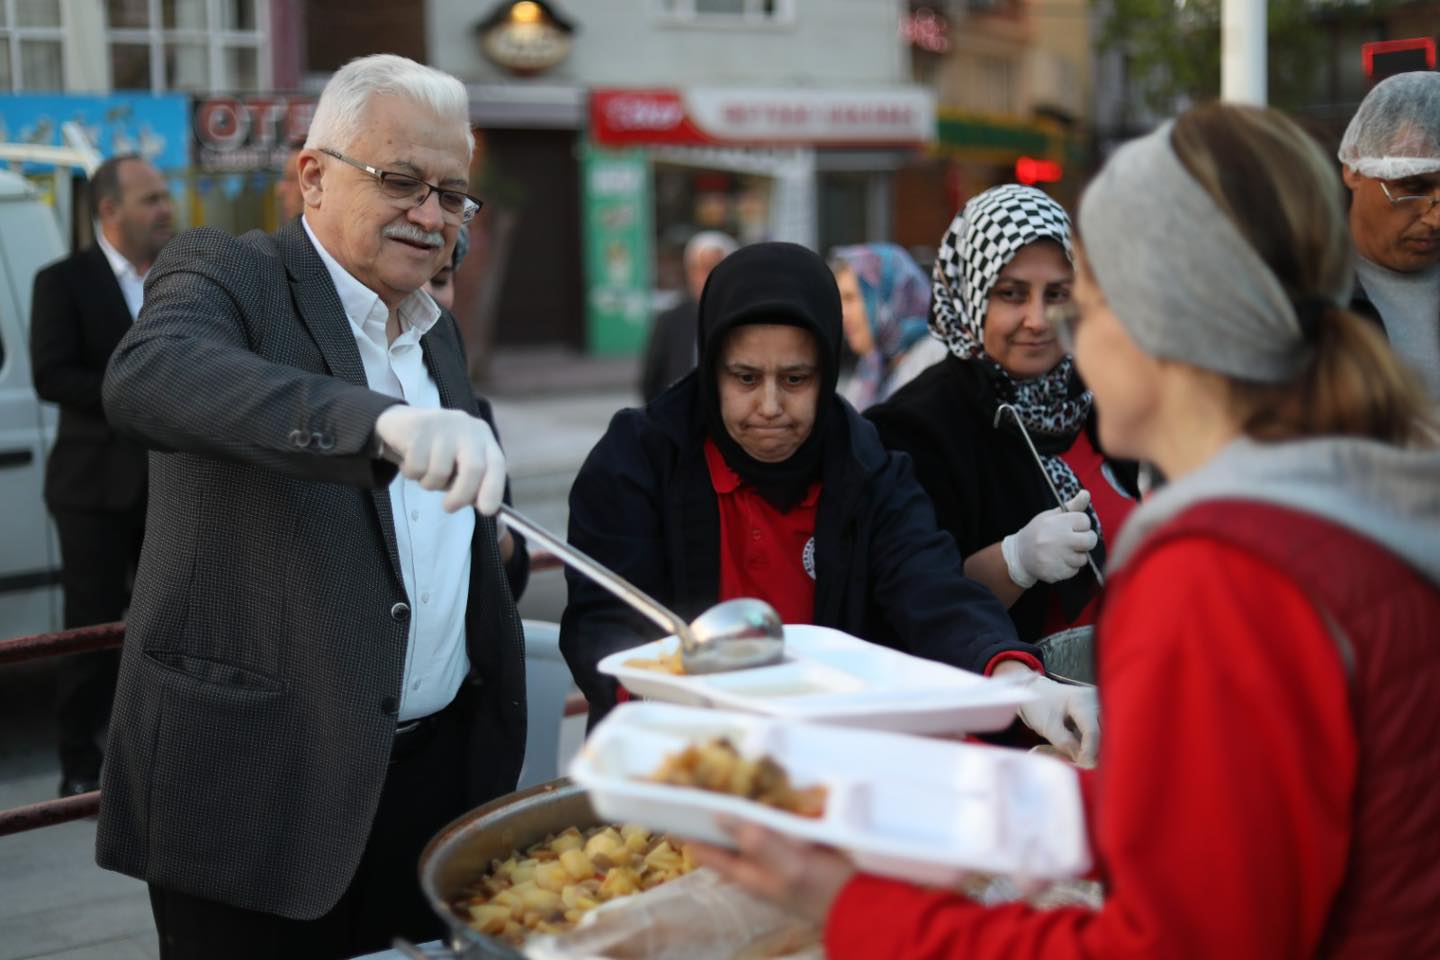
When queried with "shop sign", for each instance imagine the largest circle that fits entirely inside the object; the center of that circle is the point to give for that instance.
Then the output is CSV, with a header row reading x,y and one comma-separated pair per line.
x,y
249,133
698,117
618,249
155,127
525,37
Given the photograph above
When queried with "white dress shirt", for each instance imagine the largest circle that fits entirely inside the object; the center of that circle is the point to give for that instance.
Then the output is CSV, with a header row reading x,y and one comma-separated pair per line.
x,y
434,545
132,281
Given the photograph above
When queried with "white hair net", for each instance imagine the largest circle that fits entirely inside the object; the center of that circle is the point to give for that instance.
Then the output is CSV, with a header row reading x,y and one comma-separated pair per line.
x,y
1396,132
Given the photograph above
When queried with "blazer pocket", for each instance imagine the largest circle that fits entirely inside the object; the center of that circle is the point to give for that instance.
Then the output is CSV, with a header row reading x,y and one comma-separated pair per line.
x,y
216,674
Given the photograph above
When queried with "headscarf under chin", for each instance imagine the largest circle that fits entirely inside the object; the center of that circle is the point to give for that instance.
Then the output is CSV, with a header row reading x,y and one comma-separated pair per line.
x,y
982,240
774,283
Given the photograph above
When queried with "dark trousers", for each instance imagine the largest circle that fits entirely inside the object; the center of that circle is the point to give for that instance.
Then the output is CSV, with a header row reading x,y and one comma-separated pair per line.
x,y
98,554
424,790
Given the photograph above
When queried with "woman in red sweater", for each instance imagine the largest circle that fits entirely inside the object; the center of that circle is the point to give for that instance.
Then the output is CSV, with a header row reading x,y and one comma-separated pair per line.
x,y
1268,657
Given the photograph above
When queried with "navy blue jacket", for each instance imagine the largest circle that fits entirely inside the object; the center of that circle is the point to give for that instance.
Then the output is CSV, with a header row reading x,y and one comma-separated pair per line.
x,y
643,504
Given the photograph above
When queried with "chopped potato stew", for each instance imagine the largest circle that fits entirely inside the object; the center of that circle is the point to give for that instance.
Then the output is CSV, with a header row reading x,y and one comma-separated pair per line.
x,y
549,886
717,766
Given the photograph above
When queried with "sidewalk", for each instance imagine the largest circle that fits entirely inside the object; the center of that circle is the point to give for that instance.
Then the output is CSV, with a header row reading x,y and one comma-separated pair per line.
x,y
54,902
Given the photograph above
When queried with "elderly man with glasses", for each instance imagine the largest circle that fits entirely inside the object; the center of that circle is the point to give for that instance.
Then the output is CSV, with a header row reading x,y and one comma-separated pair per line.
x,y
1391,153
323,664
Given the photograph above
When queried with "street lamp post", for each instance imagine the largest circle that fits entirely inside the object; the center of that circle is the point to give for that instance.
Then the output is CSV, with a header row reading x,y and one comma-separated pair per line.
x,y
1242,51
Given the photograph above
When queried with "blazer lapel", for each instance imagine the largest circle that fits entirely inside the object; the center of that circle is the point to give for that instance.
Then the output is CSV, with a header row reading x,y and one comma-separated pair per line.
x,y
319,307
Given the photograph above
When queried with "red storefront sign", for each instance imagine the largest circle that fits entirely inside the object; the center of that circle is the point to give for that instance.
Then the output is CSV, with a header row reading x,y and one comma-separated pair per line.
x,y
711,117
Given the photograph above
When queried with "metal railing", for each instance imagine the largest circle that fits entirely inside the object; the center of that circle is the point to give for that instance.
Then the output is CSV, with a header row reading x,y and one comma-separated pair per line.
x,y
107,636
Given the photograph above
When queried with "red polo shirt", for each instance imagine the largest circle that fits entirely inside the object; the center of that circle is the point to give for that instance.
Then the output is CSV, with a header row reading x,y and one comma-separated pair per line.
x,y
764,553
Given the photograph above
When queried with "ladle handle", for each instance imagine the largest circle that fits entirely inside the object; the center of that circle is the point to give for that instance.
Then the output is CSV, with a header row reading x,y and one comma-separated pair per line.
x,y
607,578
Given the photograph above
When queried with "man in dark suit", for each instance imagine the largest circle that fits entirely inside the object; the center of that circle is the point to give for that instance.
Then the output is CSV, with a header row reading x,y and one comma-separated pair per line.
x,y
323,664
670,352
95,480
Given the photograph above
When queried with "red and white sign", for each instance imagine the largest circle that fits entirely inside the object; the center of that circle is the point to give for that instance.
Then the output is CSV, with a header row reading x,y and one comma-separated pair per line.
x,y
762,117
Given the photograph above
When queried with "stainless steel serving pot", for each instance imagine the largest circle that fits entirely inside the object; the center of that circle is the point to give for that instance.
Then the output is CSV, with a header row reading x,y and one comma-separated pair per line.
x,y
1070,655
459,854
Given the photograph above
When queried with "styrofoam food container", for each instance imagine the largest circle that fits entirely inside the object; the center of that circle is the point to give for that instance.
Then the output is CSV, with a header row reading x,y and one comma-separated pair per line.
x,y
908,807
828,676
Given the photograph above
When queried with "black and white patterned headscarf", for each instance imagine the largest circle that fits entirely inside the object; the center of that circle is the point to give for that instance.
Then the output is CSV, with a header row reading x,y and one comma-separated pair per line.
x,y
983,238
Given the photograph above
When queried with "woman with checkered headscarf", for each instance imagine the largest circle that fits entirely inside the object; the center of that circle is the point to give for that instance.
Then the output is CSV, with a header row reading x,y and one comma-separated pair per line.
x,y
1006,260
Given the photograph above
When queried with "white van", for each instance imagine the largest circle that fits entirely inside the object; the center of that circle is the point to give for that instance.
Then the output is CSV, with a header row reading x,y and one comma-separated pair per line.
x,y
30,600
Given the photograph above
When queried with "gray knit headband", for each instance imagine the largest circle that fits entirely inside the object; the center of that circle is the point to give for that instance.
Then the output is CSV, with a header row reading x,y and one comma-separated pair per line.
x,y
1181,279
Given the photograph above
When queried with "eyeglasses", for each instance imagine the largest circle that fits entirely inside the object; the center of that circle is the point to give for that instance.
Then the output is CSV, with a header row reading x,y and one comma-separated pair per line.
x,y
1429,200
413,192
1063,319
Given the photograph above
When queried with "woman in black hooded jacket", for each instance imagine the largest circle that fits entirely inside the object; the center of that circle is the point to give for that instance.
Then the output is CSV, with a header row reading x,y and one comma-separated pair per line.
x,y
750,477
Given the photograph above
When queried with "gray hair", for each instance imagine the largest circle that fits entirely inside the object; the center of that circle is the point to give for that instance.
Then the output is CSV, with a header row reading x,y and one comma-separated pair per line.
x,y
710,240
340,112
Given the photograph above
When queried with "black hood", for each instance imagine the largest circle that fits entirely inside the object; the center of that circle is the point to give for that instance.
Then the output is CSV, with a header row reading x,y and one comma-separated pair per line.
x,y
772,283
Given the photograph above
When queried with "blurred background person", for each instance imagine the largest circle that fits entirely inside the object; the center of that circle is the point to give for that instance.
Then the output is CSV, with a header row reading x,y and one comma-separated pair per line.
x,y
1267,653
442,286
1391,153
95,480
886,299
287,188
752,478
670,351
1006,260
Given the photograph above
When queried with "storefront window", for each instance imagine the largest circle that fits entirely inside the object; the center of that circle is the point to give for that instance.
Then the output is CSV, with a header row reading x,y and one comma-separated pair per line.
x,y
184,14
721,11
187,67
198,46
689,200
237,14
37,13
127,13
242,68
130,66
42,64
32,52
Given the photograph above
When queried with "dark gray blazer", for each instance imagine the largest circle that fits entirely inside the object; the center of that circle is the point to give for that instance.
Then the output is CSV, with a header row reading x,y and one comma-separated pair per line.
x,y
264,651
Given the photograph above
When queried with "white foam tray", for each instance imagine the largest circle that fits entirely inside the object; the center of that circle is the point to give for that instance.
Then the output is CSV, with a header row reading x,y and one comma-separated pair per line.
x,y
913,808
831,677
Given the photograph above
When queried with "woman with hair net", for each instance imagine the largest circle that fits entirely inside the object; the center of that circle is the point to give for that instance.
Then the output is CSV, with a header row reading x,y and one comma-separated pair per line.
x,y
1391,153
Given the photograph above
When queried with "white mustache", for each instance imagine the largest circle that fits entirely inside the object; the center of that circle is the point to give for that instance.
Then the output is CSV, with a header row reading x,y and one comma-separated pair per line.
x,y
412,233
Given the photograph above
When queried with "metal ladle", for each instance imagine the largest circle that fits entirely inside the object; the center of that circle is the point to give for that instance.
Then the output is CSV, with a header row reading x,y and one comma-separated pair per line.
x,y
1015,415
733,635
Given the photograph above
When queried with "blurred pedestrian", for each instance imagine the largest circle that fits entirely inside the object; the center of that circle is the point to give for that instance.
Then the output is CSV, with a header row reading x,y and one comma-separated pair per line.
x,y
1391,153
1267,651
442,286
752,478
886,298
323,664
1004,262
95,480
287,188
671,351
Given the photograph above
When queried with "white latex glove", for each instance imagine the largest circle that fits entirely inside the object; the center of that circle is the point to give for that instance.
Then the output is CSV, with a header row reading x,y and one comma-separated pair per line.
x,y
1053,546
445,450
1060,712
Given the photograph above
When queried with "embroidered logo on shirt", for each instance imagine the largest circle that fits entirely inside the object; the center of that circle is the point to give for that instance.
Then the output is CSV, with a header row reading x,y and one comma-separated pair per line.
x,y
807,558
